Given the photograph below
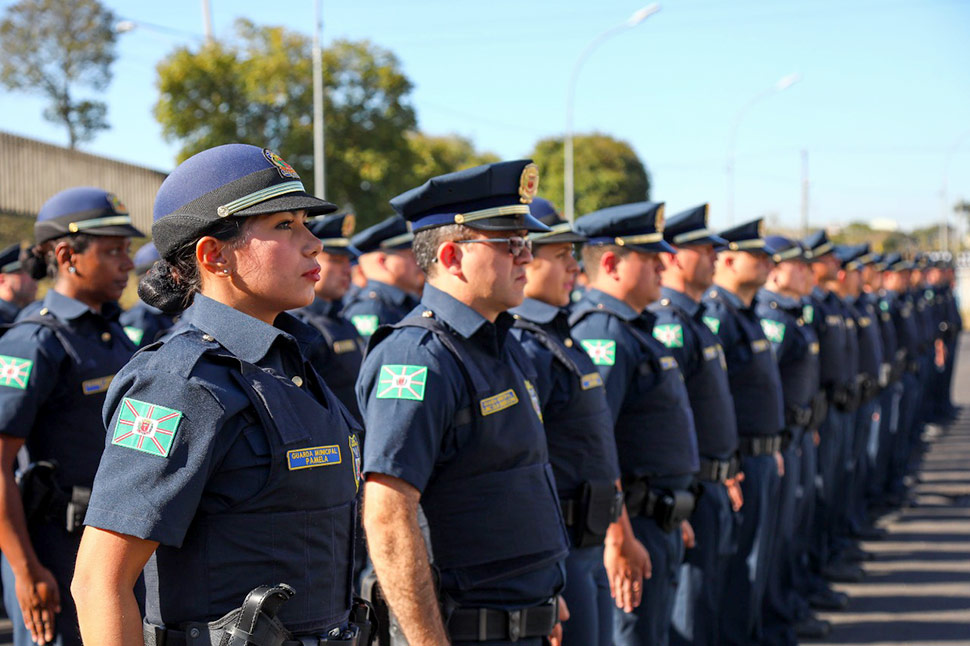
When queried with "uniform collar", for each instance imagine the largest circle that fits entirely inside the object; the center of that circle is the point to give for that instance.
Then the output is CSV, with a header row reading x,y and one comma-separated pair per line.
x,y
68,309
323,307
8,309
732,298
783,301
391,293
681,300
463,319
536,311
244,336
615,305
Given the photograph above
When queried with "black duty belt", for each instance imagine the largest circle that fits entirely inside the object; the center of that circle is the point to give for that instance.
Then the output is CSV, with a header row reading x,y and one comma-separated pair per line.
x,y
717,470
668,508
754,446
490,624
797,415
200,636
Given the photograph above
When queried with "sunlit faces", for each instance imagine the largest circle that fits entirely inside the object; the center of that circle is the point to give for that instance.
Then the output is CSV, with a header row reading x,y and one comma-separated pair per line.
x,y
638,274
101,270
872,278
334,276
23,288
494,278
402,266
852,279
552,273
275,268
788,277
826,268
751,269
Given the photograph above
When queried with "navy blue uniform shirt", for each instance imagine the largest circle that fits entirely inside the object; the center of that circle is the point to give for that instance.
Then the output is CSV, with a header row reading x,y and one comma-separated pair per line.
x,y
144,324
378,304
493,543
795,346
8,312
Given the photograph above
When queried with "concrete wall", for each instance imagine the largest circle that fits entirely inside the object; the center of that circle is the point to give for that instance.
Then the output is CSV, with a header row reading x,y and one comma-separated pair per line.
x,y
32,171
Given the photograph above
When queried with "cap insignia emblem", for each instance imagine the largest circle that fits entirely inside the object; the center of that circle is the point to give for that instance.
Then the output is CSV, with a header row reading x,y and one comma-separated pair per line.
x,y
658,220
528,183
347,226
117,204
284,169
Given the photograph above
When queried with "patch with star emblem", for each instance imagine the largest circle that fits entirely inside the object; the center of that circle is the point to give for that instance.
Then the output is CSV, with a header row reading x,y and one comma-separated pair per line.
x,y
135,334
366,324
601,351
670,334
774,330
713,323
146,427
808,313
398,381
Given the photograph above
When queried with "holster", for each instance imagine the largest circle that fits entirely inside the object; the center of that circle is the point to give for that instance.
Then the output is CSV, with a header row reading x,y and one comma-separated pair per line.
x,y
46,502
598,506
820,408
668,508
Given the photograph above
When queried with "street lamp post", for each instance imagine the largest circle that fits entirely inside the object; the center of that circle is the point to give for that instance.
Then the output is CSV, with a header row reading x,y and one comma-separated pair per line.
x,y
945,220
319,177
783,83
635,19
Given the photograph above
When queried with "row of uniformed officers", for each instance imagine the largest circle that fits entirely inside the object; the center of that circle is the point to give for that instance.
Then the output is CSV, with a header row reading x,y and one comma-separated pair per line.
x,y
683,450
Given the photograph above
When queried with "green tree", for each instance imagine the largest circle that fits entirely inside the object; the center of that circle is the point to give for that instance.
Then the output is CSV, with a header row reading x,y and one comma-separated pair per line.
x,y
53,47
437,155
259,90
607,172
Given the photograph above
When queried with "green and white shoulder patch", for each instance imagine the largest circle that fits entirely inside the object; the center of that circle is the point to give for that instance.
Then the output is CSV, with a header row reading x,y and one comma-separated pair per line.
x,y
366,324
670,334
774,330
146,427
15,372
808,313
601,351
135,334
713,323
399,381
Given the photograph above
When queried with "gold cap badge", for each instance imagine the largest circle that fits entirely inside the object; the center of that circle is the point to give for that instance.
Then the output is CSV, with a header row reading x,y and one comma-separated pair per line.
x,y
347,226
529,183
658,220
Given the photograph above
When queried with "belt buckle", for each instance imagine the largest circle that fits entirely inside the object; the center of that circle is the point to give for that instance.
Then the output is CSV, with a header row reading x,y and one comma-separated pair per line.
x,y
515,625
723,469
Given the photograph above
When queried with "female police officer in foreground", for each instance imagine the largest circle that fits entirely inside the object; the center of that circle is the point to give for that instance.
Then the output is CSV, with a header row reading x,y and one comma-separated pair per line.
x,y
229,464
55,367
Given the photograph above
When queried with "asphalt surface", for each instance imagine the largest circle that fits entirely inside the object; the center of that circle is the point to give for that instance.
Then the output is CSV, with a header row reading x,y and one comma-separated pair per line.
x,y
917,590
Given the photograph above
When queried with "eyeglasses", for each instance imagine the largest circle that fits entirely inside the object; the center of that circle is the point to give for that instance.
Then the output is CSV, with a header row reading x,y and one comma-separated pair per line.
x,y
517,244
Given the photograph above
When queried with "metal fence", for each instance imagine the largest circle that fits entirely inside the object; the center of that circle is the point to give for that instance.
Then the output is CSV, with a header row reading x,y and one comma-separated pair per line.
x,y
32,171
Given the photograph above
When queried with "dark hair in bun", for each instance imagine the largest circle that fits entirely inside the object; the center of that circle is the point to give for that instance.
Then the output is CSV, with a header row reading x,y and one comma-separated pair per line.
x,y
40,261
172,282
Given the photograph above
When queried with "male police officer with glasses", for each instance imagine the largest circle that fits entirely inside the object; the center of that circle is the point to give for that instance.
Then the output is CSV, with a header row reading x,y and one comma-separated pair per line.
x,y
454,426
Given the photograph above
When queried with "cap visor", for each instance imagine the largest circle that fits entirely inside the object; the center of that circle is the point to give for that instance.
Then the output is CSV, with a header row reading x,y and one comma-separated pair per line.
x,y
290,202
652,247
123,230
516,223
568,236
349,250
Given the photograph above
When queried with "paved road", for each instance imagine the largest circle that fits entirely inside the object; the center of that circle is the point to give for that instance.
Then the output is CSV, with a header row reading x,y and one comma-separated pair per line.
x,y
917,591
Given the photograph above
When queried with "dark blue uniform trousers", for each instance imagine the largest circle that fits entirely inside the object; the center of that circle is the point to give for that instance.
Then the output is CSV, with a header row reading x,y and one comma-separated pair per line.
x,y
747,571
867,421
587,595
831,466
901,445
649,624
782,603
805,579
889,406
703,576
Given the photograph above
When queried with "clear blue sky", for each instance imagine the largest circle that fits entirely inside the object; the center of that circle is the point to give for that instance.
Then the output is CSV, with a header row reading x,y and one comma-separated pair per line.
x,y
885,91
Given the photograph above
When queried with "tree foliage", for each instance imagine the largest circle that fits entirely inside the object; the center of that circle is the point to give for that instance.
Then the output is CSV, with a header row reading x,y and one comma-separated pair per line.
x,y
607,172
259,90
437,155
53,47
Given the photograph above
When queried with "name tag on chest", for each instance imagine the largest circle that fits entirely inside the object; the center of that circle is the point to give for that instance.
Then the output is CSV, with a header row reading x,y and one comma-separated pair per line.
x,y
347,345
710,353
499,402
759,345
313,456
95,386
668,363
592,380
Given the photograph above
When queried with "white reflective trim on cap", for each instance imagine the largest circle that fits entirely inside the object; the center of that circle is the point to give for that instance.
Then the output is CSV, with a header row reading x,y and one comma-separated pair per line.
x,y
646,238
110,221
756,243
494,212
259,196
335,242
562,227
692,235
396,240
787,254
821,250
11,267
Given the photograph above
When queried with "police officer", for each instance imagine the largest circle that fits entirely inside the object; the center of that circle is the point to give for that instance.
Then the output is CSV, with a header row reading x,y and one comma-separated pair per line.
x,y
17,287
394,280
895,300
229,465
779,308
653,423
687,275
338,357
454,425
742,268
142,322
56,367
949,323
579,431
838,356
